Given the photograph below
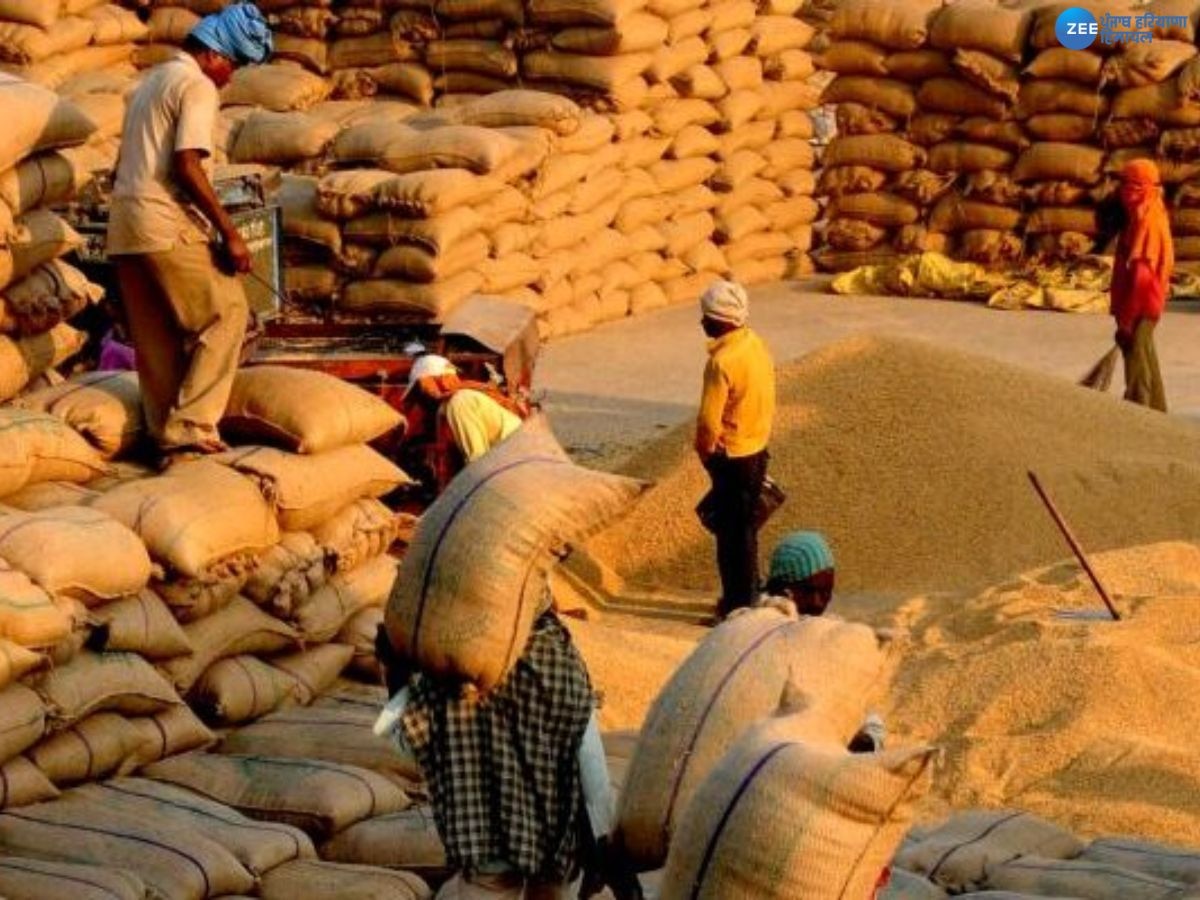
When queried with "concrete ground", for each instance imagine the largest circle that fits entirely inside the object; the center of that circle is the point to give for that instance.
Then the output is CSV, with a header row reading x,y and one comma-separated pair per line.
x,y
612,388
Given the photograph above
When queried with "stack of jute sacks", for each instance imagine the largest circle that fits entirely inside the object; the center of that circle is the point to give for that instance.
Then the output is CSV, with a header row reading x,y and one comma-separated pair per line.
x,y
239,583
741,774
52,41
44,160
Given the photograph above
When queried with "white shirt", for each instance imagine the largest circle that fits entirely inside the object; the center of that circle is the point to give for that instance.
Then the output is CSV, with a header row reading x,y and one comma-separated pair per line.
x,y
175,108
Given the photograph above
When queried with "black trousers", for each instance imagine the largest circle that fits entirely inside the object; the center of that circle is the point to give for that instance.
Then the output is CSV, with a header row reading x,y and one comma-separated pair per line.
x,y
737,484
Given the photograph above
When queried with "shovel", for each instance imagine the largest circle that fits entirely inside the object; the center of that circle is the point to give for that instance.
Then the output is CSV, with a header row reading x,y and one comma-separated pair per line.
x,y
1100,376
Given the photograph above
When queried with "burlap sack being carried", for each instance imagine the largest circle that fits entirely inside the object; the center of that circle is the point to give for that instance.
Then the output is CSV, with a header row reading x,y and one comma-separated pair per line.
x,y
75,552
312,880
304,411
279,88
321,616
194,515
25,878
901,26
241,627
98,746
307,489
102,682
519,505
240,688
958,853
141,624
83,832
783,818
743,672
317,797
407,839
259,846
104,407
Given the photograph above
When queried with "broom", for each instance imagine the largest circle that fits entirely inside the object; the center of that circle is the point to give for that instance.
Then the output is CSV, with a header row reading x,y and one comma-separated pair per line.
x,y
1100,376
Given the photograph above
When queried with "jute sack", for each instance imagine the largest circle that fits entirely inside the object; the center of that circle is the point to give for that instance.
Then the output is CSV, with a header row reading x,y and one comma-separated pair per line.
x,y
427,302
310,284
289,572
22,783
1067,878
1043,34
681,235
1118,133
23,360
836,180
113,24
259,846
922,186
305,490
780,817
407,839
605,74
29,12
307,880
50,494
1060,162
740,674
886,95
759,270
28,615
311,53
907,886
195,598
278,88
173,860
1050,96
337,735
42,237
194,515
758,192
281,138
853,234
140,624
319,798
1080,219
370,51
23,717
772,35
104,407
44,180
742,222
239,628
359,633
982,26
953,214
953,95
75,552
983,70
46,297
964,156
901,26
25,44
39,121
240,688
583,12
360,532
855,58
297,197
436,235
98,746
1177,143
479,150
882,209
883,152
17,661
745,73
740,168
102,682
917,66
24,878
993,187
919,239
1142,64
1160,860
510,273
1081,66
167,733
1061,127
435,595
489,58
303,411
1164,103
321,616
958,853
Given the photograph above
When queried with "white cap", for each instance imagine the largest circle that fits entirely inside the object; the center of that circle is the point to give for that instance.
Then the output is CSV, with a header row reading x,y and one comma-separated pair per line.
x,y
428,366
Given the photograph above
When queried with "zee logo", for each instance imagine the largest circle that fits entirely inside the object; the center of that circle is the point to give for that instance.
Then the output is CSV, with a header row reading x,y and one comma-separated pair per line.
x,y
1076,28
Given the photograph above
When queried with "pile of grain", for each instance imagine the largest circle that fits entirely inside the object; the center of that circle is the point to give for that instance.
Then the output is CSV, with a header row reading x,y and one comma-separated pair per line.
x,y
912,459
1083,722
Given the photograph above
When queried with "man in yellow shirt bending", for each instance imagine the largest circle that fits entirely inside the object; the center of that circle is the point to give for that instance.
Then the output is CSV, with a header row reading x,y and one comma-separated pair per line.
x,y
732,433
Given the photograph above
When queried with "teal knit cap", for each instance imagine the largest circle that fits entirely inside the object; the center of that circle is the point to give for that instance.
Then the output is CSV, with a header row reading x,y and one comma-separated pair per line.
x,y
800,555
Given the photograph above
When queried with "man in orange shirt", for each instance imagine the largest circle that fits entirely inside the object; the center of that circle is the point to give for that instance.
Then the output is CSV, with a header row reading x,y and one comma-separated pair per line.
x,y
732,433
1142,266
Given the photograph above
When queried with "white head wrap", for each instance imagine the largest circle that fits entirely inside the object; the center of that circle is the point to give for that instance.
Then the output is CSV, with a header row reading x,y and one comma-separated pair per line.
x,y
428,366
726,301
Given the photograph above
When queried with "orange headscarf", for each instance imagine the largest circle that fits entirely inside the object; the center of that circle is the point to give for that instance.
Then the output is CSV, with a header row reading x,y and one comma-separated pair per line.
x,y
1147,233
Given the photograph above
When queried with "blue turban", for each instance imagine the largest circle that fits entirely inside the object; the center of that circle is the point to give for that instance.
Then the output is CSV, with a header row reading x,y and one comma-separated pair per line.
x,y
800,555
238,32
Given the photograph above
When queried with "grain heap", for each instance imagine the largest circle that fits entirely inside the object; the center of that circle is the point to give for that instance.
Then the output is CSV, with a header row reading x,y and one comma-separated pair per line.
x,y
917,429
240,583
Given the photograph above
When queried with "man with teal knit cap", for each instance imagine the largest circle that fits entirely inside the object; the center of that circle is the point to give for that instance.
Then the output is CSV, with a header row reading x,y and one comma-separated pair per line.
x,y
176,251
802,571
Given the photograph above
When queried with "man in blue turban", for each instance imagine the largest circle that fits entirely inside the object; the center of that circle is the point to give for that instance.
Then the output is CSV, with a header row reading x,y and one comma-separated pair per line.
x,y
176,250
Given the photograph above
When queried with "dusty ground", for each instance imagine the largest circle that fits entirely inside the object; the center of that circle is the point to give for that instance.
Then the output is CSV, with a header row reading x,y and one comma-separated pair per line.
x,y
612,388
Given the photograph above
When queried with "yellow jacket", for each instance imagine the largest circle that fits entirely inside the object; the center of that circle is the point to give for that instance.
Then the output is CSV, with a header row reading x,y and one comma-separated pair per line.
x,y
738,402
477,422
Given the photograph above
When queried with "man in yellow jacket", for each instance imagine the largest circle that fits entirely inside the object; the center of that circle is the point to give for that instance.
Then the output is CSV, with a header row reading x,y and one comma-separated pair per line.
x,y
732,433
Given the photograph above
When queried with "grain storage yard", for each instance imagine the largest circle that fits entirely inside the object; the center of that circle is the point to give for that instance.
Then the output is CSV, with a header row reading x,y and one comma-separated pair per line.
x,y
352,354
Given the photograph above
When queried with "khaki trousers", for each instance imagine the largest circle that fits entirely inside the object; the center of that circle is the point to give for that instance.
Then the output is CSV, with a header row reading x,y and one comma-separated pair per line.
x,y
187,320
1143,379
500,887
